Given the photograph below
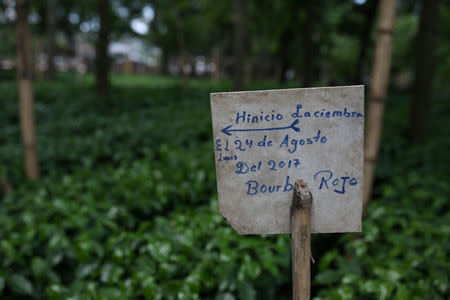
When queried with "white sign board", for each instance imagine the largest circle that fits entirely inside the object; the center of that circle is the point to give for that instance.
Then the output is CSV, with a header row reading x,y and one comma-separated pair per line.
x,y
265,140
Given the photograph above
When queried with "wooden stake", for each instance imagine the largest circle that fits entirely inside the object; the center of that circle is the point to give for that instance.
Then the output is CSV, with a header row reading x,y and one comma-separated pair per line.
x,y
301,241
377,95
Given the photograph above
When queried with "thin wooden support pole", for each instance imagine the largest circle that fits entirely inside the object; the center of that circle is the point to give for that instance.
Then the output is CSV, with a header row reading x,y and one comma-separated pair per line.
x,y
301,241
26,98
377,95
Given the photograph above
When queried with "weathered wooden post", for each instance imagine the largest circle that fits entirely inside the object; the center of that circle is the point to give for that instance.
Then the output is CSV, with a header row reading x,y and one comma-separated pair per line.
x,y
301,240
265,140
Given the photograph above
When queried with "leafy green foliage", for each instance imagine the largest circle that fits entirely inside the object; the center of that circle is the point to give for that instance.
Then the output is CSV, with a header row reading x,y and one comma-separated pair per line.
x,y
126,206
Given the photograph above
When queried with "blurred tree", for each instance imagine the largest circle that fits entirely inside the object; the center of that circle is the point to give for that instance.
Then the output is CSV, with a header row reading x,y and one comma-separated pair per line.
x,y
406,25
442,71
73,13
162,33
339,30
425,49
309,46
369,10
378,89
285,44
239,18
273,45
6,186
51,32
25,72
185,28
179,31
102,61
7,34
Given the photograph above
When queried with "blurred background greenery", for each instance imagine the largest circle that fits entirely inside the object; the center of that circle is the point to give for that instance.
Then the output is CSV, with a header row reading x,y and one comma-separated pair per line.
x,y
125,206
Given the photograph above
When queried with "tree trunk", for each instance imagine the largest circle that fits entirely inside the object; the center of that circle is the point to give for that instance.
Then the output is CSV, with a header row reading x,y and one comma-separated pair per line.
x,y
425,46
25,73
70,36
377,95
364,41
102,61
240,14
51,32
276,70
308,43
248,70
181,46
128,66
283,53
215,74
164,67
6,186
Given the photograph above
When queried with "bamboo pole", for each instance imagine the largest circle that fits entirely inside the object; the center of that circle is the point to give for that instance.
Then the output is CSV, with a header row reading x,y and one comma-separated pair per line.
x,y
25,72
301,241
377,95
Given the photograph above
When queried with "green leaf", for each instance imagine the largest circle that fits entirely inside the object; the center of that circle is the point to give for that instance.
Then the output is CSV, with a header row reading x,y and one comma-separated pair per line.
x,y
149,288
225,296
246,291
111,273
110,293
39,268
19,284
2,284
55,291
327,277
